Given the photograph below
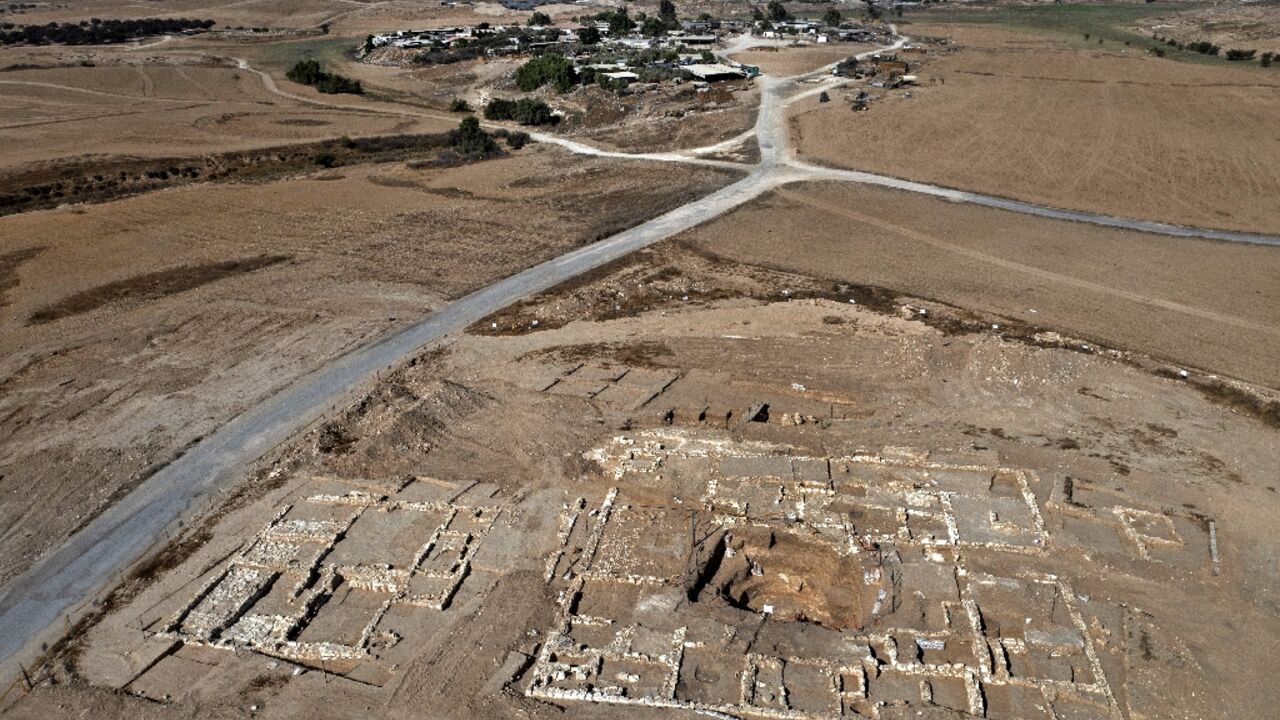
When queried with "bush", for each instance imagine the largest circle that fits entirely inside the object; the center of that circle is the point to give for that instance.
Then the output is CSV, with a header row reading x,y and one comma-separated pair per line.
x,y
500,109
534,112
517,140
325,160
459,105
526,111
1267,58
1240,55
469,140
1203,47
552,68
540,19
310,72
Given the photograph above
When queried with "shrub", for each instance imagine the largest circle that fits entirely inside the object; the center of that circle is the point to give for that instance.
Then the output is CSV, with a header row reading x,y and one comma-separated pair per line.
x,y
552,68
310,72
526,111
324,159
305,72
1240,55
534,112
346,142
517,140
470,141
1204,47
500,109
1267,58
459,105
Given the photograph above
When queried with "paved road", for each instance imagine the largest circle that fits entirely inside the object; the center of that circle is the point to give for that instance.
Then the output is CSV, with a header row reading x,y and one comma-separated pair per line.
x,y
60,581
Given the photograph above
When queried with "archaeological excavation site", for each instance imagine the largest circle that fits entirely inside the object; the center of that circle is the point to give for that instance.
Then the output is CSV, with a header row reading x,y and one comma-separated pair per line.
x,y
692,508
639,360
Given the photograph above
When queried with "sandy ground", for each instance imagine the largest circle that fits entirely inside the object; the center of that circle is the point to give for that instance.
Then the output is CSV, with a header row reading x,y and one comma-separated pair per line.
x,y
785,61
126,335
1024,117
1209,305
1130,473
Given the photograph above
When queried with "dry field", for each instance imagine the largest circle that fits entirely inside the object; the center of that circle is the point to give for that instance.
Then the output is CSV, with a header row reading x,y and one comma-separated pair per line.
x,y
787,61
132,328
1208,305
1025,116
983,526
169,104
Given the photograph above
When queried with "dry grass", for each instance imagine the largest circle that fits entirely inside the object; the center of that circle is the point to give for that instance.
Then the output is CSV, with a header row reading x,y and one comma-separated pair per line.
x,y
1123,289
1024,116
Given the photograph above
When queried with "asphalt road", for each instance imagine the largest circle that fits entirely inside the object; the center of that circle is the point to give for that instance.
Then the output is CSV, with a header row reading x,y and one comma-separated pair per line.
x,y
88,561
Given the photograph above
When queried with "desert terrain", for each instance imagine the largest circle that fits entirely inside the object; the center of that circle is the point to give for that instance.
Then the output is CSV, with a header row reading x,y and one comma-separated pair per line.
x,y
611,534
941,389
1108,129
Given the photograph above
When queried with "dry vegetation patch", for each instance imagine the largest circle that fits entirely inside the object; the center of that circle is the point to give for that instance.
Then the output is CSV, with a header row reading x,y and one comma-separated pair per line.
x,y
1031,119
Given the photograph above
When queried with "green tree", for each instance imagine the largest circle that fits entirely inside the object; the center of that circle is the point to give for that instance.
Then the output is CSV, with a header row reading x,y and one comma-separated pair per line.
x,y
540,19
552,68
667,14
589,35
620,23
832,17
500,109
778,11
471,141
652,27
459,105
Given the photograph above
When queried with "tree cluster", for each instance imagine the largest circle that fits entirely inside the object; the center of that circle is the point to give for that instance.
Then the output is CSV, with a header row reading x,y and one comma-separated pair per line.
x,y
471,141
97,32
526,111
551,69
310,72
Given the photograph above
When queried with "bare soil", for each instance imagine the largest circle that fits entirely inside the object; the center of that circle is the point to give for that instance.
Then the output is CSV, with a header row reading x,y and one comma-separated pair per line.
x,y
1025,116
661,495
142,324
1122,289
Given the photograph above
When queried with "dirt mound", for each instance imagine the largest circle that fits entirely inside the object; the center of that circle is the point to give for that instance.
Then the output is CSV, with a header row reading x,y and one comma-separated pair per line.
x,y
788,577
